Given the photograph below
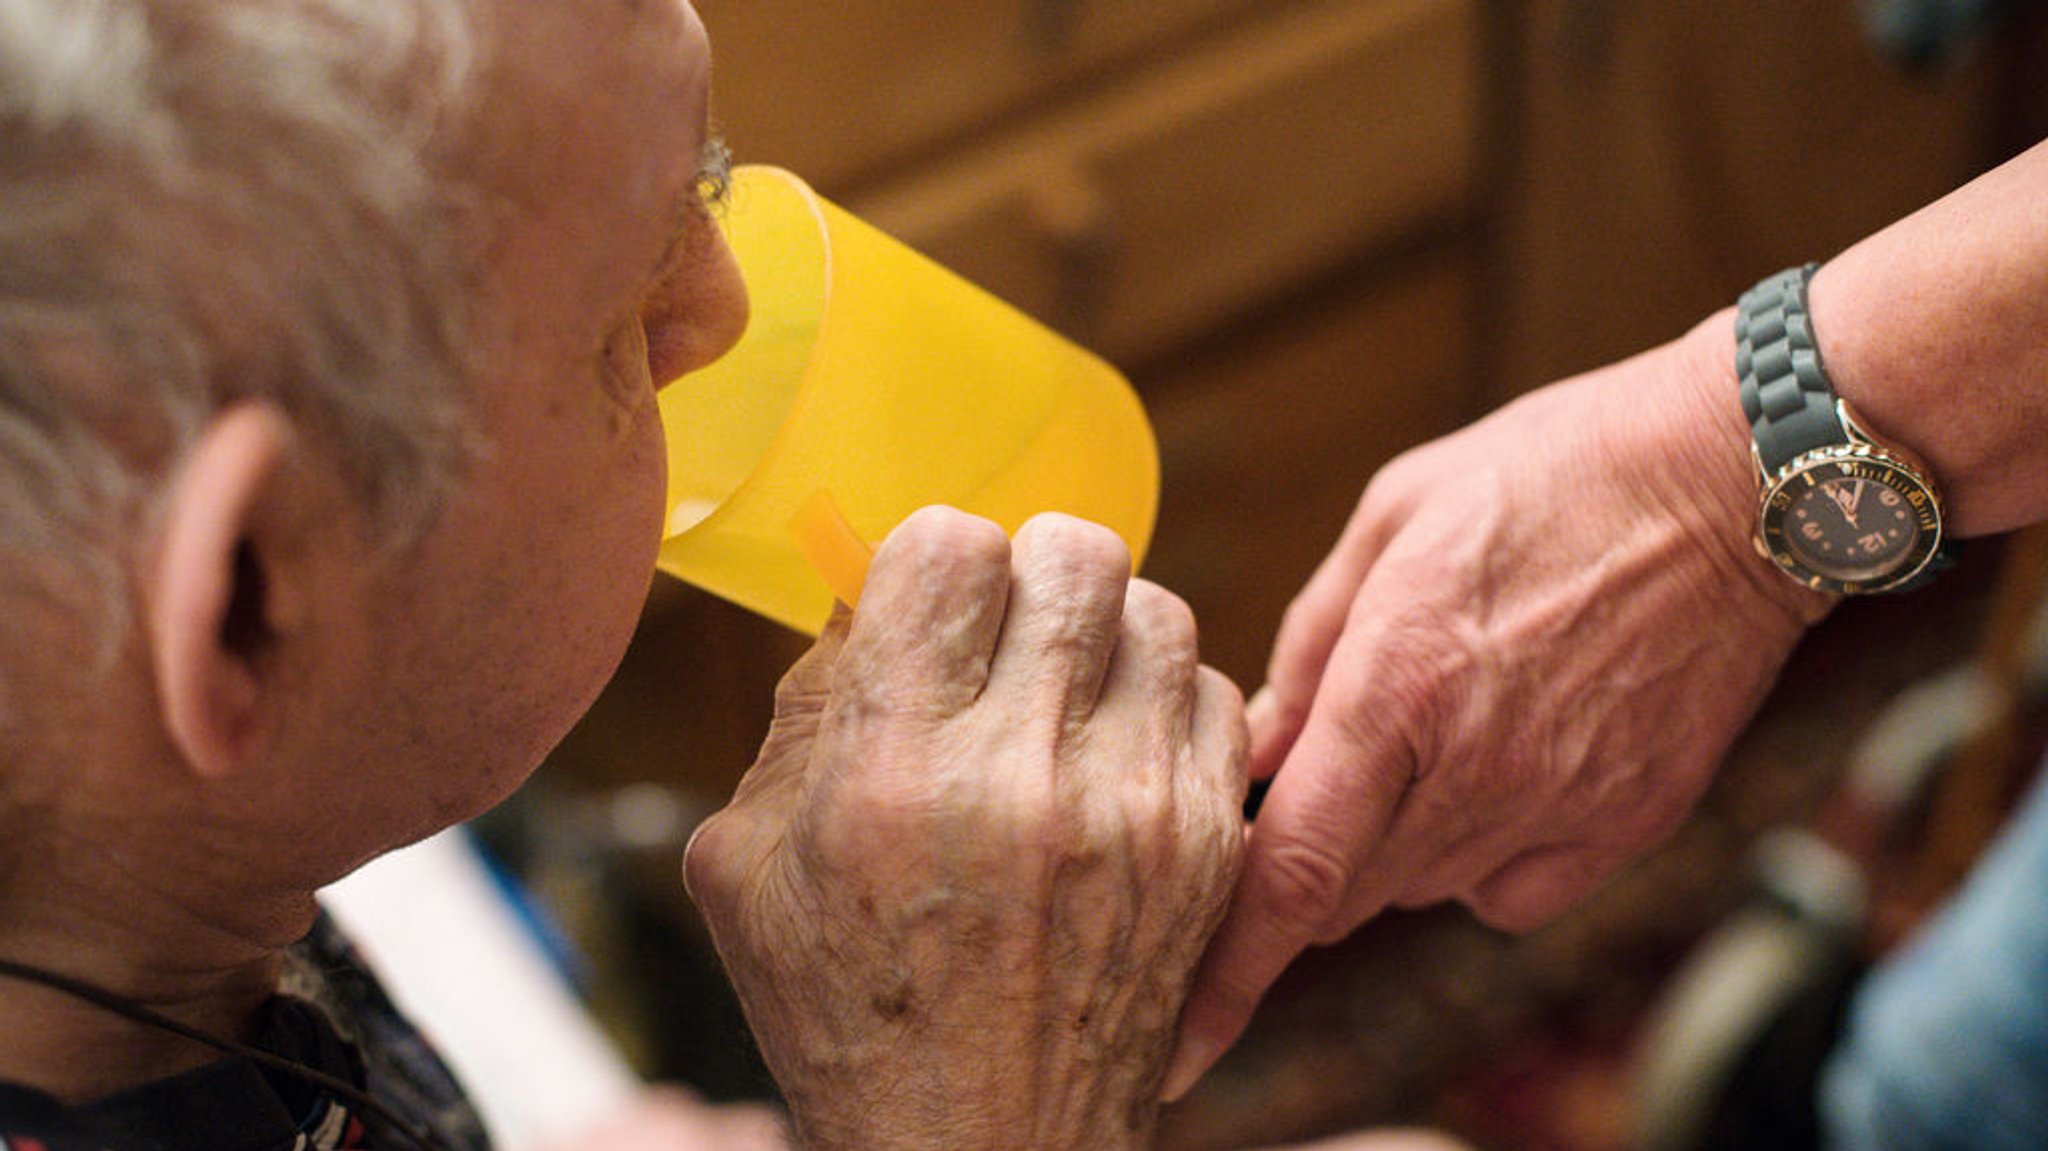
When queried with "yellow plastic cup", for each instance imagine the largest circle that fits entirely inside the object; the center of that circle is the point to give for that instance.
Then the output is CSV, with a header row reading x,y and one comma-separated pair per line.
x,y
871,382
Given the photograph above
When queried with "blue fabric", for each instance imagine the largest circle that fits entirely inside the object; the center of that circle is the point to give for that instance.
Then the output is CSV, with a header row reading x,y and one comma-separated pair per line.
x,y
1947,1045
1928,33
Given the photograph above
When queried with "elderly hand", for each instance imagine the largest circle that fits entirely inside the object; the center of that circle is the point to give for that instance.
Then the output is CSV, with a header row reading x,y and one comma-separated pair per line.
x,y
962,892
1516,671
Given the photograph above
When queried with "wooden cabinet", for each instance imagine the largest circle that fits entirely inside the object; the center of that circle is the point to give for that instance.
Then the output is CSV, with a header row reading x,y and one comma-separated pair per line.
x,y
1661,157
847,90
1267,442
1141,215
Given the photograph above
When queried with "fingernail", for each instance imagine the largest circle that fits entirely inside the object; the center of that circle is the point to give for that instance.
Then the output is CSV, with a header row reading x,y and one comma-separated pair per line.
x,y
1190,1060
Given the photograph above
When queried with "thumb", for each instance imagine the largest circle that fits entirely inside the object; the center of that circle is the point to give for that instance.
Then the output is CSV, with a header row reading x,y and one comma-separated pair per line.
x,y
801,697
727,844
809,679
1304,879
1249,951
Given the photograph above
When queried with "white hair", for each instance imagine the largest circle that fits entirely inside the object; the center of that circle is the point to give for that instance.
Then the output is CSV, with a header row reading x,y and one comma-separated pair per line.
x,y
203,201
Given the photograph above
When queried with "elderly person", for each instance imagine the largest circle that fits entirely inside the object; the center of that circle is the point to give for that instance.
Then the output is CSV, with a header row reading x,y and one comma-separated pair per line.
x,y
332,480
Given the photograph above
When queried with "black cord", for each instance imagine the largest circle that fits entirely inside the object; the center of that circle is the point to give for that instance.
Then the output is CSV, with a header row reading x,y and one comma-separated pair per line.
x,y
413,1133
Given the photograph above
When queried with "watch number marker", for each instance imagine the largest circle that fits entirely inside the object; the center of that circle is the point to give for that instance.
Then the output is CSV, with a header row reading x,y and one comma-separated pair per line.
x,y
1848,518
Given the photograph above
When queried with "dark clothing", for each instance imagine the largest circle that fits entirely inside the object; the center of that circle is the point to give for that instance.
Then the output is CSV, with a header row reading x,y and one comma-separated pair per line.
x,y
339,1023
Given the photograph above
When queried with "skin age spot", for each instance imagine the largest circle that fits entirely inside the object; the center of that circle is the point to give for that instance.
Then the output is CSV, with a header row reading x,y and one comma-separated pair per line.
x,y
892,1006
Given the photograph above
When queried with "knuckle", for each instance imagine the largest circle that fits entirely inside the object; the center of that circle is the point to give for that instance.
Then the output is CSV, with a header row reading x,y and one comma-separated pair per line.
x,y
1306,882
1422,684
1539,886
1387,490
802,689
1224,689
941,536
1513,916
1225,740
1076,542
1069,619
1162,615
1197,807
1300,615
1072,582
1218,849
707,876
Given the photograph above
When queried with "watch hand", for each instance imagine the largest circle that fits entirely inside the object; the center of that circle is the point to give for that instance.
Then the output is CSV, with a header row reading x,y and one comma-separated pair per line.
x,y
1845,496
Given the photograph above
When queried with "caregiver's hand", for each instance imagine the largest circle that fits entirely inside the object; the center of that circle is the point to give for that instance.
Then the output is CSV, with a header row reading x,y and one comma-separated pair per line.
x,y
962,892
1516,671
675,1119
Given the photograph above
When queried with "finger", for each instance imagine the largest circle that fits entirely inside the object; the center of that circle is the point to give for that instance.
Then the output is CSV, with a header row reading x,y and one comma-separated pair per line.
x,y
1277,911
1432,856
808,682
772,787
1149,685
1220,737
1343,790
1384,1139
1443,841
1308,635
1249,950
1305,878
1541,884
930,616
667,1119
1065,616
1213,791
800,700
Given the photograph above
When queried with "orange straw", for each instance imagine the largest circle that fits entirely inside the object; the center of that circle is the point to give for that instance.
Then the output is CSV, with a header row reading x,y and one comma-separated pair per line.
x,y
834,550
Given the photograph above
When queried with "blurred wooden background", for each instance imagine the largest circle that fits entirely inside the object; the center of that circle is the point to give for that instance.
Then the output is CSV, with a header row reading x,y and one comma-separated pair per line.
x,y
1315,233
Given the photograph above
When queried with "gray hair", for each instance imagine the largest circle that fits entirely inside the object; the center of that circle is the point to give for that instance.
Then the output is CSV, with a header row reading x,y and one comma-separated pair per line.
x,y
203,201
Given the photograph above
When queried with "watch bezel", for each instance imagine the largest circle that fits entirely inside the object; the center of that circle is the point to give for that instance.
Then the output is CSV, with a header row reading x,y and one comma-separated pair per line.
x,y
1863,461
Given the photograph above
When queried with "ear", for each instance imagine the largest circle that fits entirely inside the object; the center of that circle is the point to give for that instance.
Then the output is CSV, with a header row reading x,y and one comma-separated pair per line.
x,y
213,606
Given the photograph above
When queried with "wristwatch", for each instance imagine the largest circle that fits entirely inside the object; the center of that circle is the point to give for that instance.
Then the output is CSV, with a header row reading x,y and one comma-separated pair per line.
x,y
1841,510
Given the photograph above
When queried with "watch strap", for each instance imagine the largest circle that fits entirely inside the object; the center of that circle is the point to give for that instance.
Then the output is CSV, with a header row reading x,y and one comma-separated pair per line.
x,y
1785,391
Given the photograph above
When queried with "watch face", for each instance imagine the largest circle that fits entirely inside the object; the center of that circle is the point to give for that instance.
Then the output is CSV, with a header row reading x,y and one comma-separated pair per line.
x,y
1850,519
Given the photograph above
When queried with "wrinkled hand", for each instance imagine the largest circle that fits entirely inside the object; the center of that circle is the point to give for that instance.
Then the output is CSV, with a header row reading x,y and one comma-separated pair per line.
x,y
1515,672
962,892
